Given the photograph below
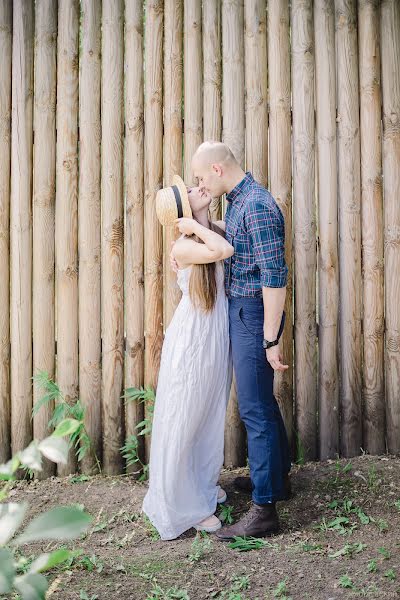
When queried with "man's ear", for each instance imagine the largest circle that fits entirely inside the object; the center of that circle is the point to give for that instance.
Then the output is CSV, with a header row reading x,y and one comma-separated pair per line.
x,y
217,169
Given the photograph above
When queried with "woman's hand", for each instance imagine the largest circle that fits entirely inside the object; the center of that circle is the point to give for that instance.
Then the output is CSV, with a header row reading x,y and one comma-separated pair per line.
x,y
186,226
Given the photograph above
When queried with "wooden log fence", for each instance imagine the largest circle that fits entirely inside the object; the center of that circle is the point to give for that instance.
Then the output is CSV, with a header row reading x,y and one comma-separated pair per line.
x,y
100,104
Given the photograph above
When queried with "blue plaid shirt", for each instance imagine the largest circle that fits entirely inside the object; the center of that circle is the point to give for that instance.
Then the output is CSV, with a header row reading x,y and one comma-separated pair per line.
x,y
256,229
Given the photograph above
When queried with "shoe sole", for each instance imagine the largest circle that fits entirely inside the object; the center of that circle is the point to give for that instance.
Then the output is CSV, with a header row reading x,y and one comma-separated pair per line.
x,y
223,499
208,529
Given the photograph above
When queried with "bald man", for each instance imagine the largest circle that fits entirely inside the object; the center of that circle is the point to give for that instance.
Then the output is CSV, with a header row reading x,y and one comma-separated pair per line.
x,y
255,283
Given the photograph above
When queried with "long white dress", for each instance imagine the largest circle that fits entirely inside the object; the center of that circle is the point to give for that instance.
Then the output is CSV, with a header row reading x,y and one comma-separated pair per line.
x,y
187,441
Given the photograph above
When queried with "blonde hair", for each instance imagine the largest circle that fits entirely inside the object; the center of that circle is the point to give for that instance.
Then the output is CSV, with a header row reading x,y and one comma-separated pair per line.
x,y
202,283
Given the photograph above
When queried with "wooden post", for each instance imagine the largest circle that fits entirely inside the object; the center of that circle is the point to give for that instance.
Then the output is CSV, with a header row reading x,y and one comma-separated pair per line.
x,y
304,226
212,116
44,191
256,90
134,224
5,156
112,247
21,225
67,207
233,134
390,36
349,226
89,216
328,267
173,66
193,93
153,255
372,227
280,169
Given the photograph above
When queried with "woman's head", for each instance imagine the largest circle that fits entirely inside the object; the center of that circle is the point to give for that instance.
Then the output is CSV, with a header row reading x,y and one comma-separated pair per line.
x,y
199,199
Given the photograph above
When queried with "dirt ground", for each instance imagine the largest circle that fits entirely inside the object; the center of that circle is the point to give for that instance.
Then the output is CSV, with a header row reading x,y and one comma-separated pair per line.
x,y
339,539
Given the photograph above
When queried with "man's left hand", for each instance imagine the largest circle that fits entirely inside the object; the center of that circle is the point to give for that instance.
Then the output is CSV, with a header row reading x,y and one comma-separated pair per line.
x,y
275,358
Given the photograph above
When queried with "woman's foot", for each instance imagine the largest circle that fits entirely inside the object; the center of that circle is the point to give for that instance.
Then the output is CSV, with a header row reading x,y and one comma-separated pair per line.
x,y
210,525
222,497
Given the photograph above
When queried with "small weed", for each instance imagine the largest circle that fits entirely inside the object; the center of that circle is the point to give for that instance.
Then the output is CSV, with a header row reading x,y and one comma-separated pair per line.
x,y
348,550
372,566
226,514
131,449
340,524
397,504
173,593
281,590
390,574
84,596
373,480
202,544
246,544
382,525
79,479
151,530
384,553
346,582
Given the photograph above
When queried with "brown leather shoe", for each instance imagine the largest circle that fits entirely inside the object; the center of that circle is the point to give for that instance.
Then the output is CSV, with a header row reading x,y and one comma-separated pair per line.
x,y
244,485
259,521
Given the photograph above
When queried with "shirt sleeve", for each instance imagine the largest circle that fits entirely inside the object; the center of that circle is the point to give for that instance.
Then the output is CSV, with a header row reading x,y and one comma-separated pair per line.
x,y
266,227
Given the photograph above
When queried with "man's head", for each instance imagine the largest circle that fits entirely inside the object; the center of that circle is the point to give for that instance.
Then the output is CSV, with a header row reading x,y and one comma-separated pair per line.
x,y
216,168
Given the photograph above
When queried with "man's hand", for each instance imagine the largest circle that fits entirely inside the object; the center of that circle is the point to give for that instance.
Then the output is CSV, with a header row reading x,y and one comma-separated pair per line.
x,y
172,261
275,358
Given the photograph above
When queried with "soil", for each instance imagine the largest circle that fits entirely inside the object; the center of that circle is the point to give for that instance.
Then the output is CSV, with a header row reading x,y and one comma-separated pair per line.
x,y
309,560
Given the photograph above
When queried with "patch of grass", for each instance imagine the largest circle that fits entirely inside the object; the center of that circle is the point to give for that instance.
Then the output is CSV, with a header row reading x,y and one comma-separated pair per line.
x,y
390,574
372,566
79,479
382,525
173,593
281,590
384,553
246,544
373,479
340,524
150,529
397,504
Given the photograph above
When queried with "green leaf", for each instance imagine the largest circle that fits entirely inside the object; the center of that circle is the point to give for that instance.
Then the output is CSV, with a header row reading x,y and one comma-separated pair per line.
x,y
59,523
7,571
8,469
55,449
31,457
47,561
11,517
66,427
31,586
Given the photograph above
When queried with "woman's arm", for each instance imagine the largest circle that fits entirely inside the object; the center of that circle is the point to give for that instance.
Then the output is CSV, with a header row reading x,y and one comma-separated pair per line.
x,y
187,251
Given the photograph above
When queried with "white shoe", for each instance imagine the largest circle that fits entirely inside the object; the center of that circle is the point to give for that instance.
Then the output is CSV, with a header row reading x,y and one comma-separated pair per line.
x,y
210,525
222,497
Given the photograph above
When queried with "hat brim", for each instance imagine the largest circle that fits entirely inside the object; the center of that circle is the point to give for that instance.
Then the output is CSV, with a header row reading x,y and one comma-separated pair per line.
x,y
166,202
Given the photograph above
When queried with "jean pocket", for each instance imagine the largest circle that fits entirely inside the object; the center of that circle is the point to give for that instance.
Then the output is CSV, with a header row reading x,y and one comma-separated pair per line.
x,y
252,320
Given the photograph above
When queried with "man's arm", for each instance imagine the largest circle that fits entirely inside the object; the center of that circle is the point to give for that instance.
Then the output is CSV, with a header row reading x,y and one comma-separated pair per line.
x,y
266,229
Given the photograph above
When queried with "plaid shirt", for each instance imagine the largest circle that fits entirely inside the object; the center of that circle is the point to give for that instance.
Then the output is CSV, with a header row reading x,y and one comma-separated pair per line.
x,y
256,229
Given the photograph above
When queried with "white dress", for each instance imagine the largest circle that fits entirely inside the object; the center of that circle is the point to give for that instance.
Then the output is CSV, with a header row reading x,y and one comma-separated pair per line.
x,y
187,441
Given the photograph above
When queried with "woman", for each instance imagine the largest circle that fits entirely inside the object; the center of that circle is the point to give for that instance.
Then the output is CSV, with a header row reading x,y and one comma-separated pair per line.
x,y
195,374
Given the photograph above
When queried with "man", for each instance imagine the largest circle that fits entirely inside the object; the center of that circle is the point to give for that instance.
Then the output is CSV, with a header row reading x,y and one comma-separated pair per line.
x,y
255,282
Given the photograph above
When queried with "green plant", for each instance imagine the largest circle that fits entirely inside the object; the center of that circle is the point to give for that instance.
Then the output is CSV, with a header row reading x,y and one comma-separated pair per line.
x,y
246,544
173,593
384,553
372,566
300,451
348,550
131,449
19,573
84,596
78,439
201,544
346,582
281,590
390,574
225,514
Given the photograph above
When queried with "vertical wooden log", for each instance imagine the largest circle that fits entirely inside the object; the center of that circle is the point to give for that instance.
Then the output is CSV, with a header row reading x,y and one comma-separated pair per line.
x,y
89,218
328,267
153,182
233,134
112,248
21,225
44,191
349,226
212,73
67,207
256,90
390,36
193,106
372,227
304,225
172,135
280,169
5,160
134,224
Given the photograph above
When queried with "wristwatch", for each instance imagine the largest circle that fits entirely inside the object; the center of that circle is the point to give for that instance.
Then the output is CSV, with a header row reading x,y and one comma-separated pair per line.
x,y
267,344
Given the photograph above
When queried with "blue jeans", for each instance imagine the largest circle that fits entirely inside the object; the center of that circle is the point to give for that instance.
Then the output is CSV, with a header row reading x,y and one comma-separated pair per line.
x,y
268,447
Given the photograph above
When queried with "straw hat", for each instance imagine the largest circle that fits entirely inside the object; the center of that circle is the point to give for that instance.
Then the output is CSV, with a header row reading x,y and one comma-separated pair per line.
x,y
173,202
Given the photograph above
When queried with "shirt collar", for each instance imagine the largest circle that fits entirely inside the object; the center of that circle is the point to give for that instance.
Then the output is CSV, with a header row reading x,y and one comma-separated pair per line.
x,y
241,187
